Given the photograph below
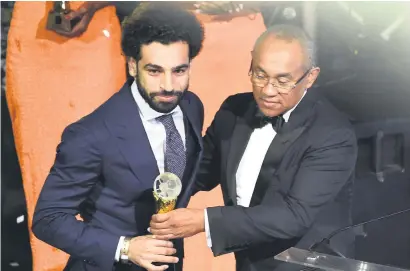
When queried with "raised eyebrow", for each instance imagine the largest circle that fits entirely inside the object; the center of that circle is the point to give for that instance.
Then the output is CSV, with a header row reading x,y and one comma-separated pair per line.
x,y
153,66
180,67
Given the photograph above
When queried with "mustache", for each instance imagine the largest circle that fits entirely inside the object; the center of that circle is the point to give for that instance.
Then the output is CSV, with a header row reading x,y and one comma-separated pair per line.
x,y
166,93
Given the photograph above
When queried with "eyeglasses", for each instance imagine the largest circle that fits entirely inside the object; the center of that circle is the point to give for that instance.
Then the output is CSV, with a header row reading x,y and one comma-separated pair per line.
x,y
261,80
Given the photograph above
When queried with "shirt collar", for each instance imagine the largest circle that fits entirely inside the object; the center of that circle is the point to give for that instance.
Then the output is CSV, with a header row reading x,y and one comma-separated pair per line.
x,y
145,109
286,115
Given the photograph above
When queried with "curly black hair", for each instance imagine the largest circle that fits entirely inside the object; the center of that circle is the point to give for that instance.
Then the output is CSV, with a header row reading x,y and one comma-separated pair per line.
x,y
160,22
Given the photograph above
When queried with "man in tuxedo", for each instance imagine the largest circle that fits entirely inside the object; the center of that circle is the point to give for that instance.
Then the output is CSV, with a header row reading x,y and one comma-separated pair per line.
x,y
284,157
106,162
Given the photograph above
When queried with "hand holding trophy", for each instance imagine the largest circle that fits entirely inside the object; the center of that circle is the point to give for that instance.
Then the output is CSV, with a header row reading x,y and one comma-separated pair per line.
x,y
167,187
168,223
148,251
57,17
73,23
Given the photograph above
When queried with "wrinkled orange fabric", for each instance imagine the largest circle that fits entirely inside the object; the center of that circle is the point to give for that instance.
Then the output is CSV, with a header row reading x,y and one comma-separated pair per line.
x,y
53,81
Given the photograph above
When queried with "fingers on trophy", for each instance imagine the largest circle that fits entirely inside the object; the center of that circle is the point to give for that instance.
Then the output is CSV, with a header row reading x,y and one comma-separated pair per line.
x,y
167,187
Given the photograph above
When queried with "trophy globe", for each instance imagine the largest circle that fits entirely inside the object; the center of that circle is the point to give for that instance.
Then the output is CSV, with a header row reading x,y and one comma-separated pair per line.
x,y
167,187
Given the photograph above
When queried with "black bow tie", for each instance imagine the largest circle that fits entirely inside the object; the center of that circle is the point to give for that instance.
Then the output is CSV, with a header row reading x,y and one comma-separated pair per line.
x,y
260,121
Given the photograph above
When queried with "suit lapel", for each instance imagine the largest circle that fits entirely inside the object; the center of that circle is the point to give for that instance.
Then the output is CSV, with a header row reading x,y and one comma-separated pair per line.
x,y
132,140
300,119
240,137
192,124
192,120
280,144
127,127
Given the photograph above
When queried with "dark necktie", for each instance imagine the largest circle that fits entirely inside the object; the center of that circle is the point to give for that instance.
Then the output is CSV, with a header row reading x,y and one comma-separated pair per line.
x,y
175,156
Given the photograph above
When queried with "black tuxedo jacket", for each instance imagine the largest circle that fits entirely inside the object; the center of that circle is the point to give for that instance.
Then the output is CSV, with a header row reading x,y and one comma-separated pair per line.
x,y
304,188
104,170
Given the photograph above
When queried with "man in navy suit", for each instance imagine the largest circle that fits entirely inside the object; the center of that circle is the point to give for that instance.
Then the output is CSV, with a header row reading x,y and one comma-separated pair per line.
x,y
106,162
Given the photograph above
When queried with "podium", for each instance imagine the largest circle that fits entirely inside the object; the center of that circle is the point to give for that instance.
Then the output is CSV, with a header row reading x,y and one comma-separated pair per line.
x,y
310,260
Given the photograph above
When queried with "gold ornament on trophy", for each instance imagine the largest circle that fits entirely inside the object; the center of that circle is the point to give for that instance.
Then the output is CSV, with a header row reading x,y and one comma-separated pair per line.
x,y
167,187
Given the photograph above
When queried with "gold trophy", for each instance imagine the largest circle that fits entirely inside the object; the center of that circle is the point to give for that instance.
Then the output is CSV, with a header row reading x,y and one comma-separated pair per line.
x,y
56,19
167,187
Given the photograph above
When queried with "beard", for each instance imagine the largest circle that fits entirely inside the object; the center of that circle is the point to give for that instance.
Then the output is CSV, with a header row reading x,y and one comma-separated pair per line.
x,y
161,107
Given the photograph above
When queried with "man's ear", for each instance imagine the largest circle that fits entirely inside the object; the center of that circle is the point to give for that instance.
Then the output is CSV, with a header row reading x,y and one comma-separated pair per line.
x,y
132,66
312,77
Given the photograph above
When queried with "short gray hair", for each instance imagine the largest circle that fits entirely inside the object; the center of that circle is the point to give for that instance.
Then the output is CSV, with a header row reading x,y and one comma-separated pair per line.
x,y
291,32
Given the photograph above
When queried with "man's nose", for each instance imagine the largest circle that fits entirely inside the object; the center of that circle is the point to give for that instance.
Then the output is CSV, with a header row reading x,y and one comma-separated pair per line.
x,y
270,89
167,83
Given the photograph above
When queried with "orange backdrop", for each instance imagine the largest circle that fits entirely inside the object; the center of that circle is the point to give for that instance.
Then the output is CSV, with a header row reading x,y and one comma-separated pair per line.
x,y
53,81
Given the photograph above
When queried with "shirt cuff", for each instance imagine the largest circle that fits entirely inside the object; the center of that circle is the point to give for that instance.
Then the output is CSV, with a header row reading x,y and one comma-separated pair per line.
x,y
207,230
117,252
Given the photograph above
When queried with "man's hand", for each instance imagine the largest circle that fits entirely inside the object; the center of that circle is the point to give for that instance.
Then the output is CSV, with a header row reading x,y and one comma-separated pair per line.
x,y
144,250
180,223
84,13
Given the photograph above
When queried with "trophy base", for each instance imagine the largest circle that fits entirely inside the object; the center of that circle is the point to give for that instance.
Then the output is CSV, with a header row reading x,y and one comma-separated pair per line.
x,y
57,21
164,206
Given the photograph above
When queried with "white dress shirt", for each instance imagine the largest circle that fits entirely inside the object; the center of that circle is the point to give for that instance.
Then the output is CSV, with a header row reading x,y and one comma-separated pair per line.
x,y
155,131
250,166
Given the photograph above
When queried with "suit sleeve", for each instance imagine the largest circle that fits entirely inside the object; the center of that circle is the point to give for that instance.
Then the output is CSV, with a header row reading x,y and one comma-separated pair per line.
x,y
324,170
74,173
209,170
208,173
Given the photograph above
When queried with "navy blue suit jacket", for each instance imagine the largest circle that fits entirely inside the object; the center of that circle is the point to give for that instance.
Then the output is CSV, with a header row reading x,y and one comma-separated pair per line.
x,y
104,171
